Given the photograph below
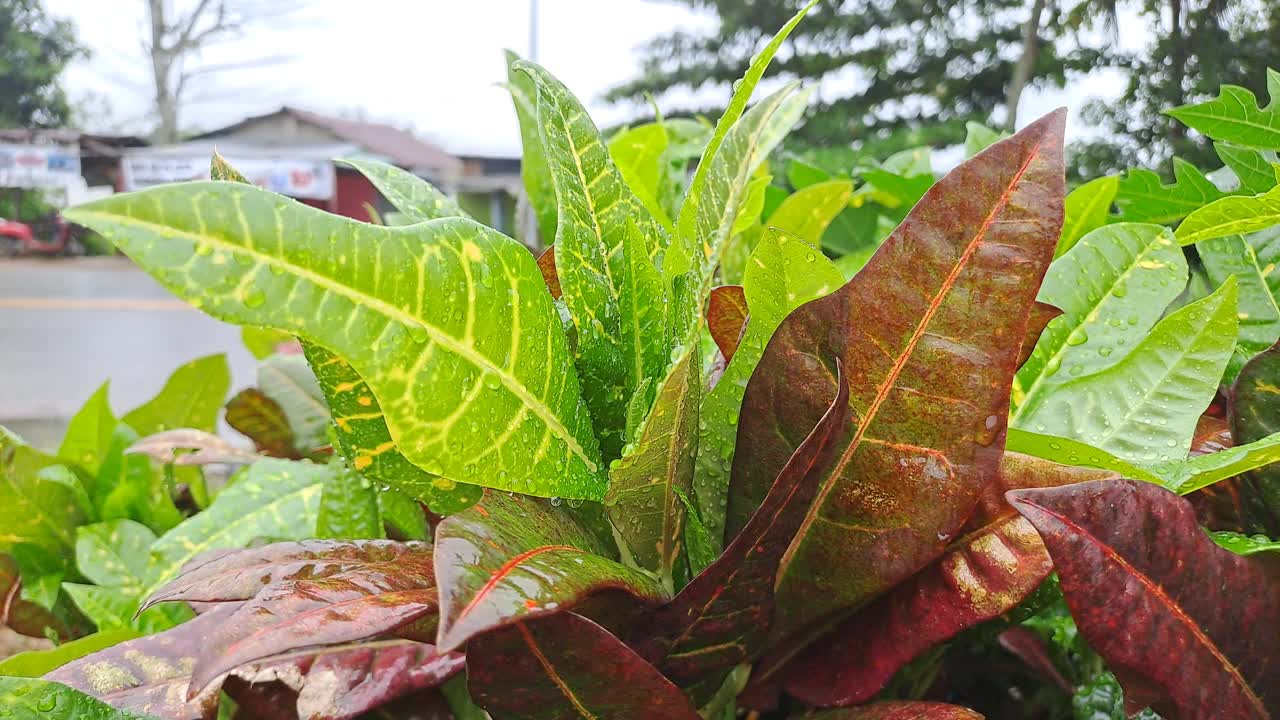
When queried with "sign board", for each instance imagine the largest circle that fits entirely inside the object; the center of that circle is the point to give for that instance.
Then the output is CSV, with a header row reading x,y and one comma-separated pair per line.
x,y
39,166
299,178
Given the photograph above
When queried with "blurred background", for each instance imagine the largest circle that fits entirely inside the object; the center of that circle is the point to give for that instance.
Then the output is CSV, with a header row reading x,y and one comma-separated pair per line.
x,y
104,96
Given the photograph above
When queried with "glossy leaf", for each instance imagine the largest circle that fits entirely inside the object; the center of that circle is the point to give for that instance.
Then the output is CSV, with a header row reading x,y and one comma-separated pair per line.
x,y
547,266
38,504
363,437
1041,315
951,288
1086,209
726,318
190,447
1252,260
994,566
1231,216
34,663
1253,168
349,508
1235,116
420,360
1143,197
640,154
88,435
723,616
898,710
808,212
1241,544
32,699
1130,555
190,398
277,499
149,675
533,161
1255,416
414,197
1112,288
511,557
782,274
256,416
644,484
1145,407
527,671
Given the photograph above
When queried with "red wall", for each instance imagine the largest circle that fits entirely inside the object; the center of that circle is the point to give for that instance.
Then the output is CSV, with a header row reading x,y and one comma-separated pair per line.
x,y
353,192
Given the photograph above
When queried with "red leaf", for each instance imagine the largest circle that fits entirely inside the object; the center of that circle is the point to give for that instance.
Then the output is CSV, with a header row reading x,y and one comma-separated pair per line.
x,y
981,576
256,416
1218,506
722,617
726,317
547,264
565,667
1032,650
899,711
1041,314
23,616
929,333
1186,626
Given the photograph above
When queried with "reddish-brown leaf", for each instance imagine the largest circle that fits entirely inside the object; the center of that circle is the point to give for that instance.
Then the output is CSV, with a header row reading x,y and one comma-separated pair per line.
x,y
150,675
1031,649
722,617
23,616
1218,506
1187,627
1255,414
899,711
547,264
1041,314
929,333
338,683
256,416
726,317
513,557
566,667
981,576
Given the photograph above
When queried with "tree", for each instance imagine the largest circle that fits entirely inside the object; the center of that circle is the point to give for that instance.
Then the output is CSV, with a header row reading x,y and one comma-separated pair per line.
x,y
919,70
1198,46
34,50
176,40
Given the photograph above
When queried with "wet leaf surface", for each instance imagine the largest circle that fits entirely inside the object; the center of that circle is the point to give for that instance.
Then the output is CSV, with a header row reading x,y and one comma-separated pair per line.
x,y
726,317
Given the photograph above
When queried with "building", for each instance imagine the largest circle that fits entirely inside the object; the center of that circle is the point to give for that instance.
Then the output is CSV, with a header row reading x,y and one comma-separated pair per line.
x,y
291,151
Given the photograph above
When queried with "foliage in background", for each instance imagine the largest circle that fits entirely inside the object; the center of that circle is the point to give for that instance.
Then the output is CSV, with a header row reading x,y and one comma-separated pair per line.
x,y
34,49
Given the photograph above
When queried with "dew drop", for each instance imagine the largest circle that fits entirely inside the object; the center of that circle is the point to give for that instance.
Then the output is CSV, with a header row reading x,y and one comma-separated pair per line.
x,y
1078,337
254,297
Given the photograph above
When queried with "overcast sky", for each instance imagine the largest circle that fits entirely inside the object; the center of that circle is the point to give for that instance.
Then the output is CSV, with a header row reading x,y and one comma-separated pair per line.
x,y
429,64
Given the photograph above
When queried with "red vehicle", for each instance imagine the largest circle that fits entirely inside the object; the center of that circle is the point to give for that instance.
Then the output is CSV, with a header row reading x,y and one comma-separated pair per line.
x,y
19,238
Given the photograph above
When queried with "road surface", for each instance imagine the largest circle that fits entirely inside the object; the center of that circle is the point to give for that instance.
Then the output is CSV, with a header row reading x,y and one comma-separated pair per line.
x,y
68,324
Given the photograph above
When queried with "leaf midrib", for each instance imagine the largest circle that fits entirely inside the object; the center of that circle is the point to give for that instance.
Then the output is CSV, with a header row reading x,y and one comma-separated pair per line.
x,y
450,343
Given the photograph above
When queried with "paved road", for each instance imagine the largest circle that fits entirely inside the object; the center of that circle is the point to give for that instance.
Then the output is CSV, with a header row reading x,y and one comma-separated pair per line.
x,y
67,325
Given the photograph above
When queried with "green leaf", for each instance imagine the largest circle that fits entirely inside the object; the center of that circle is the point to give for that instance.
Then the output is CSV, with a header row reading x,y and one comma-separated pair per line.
x,y
801,174
1112,288
114,608
533,162
640,154
190,398
1235,116
597,211
1142,196
35,507
979,137
289,381
114,553
277,499
644,485
402,515
782,274
1086,209
415,198
1235,542
1254,412
34,663
1252,261
1145,407
89,432
349,508
127,485
808,212
365,441
1231,216
262,342
1255,170
525,427
32,699
42,571
512,557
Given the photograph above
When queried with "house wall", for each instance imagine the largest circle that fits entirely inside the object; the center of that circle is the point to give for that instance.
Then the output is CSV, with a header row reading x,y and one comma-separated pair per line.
x,y
280,131
353,192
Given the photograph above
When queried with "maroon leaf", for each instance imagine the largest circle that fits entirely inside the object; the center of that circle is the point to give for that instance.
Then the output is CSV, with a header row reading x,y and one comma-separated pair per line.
x,y
565,667
23,616
1031,649
722,617
1186,626
547,264
387,593
150,675
899,711
1218,506
228,575
337,683
929,333
726,317
981,576
1041,314
256,416
514,557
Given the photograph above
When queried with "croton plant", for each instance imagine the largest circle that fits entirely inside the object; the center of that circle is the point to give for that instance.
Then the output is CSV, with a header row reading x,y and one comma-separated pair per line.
x,y
723,450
